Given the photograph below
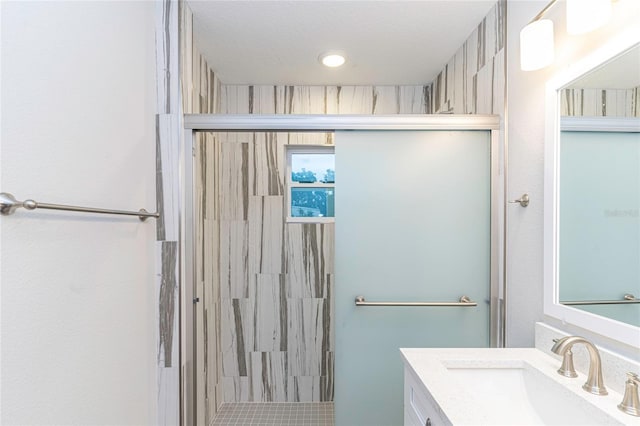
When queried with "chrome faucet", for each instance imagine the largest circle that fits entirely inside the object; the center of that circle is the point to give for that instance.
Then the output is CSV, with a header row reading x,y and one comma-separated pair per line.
x,y
594,383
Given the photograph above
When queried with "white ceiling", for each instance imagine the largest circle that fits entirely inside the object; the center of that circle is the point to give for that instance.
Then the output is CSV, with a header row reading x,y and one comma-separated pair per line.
x,y
386,42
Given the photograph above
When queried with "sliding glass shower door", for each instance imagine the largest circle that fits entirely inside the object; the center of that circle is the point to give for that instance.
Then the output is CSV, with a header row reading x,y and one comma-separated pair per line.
x,y
413,224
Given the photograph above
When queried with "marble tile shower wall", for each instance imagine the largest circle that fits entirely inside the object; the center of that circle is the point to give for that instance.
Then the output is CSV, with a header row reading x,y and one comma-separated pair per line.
x,y
167,225
236,99
199,83
473,81
275,278
208,357
601,102
200,87
265,321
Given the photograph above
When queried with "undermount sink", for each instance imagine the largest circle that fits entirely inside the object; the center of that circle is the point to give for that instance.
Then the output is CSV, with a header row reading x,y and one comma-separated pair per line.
x,y
518,386
517,393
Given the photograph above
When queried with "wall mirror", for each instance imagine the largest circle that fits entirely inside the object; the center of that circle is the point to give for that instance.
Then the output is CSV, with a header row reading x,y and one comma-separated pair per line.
x,y
592,193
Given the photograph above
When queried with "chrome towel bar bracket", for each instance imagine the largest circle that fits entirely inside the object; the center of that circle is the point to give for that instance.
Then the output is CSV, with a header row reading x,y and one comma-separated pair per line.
x,y
464,301
9,204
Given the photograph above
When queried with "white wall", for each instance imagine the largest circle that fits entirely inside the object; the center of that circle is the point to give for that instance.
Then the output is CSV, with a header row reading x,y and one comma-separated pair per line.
x,y
526,127
78,291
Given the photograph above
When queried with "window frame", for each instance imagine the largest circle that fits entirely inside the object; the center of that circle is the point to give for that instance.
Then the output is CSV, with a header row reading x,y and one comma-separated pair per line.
x,y
292,149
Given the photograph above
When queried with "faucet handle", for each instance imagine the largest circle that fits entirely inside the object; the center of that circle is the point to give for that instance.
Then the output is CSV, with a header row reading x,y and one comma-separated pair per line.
x,y
630,402
567,369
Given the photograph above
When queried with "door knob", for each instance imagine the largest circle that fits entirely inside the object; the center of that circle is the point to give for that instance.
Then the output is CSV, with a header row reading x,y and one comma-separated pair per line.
x,y
523,201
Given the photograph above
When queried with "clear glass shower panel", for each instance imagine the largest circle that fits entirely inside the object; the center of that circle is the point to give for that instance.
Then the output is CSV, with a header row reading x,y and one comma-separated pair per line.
x,y
413,215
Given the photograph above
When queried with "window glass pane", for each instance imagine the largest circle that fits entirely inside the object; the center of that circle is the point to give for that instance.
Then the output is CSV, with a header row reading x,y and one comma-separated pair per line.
x,y
309,168
312,202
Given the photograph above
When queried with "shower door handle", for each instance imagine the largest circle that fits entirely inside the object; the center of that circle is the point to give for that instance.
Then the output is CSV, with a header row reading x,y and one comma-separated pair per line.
x,y
464,301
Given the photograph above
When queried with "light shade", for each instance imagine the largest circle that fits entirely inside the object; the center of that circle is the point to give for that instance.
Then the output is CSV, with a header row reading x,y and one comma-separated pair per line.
x,y
536,45
587,15
332,60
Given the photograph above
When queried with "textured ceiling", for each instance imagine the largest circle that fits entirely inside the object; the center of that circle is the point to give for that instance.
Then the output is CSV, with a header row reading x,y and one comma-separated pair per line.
x,y
386,42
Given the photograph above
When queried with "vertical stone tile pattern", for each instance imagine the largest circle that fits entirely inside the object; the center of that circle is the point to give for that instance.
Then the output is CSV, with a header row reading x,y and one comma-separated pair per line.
x,y
309,260
266,232
167,329
269,376
200,86
268,170
268,284
200,90
167,203
208,260
274,277
473,81
601,102
324,100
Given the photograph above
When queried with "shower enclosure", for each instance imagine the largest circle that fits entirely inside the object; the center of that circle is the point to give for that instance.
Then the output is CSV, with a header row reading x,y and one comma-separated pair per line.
x,y
265,312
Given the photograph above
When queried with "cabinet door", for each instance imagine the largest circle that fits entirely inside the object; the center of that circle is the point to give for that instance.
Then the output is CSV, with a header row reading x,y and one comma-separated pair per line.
x,y
418,410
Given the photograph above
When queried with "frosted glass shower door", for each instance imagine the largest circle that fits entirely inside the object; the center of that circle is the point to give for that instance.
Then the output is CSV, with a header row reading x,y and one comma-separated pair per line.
x,y
413,224
599,221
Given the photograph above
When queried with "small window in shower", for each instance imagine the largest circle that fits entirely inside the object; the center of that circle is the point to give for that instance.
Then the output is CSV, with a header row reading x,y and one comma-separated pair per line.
x,y
311,181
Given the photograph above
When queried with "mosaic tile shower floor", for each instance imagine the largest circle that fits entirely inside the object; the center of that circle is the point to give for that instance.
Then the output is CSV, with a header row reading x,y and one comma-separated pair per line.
x,y
276,413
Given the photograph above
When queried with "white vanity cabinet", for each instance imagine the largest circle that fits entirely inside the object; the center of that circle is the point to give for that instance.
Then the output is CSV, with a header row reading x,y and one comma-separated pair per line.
x,y
506,386
418,407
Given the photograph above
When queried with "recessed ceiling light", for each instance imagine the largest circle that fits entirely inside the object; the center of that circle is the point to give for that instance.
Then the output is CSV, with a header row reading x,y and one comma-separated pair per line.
x,y
332,60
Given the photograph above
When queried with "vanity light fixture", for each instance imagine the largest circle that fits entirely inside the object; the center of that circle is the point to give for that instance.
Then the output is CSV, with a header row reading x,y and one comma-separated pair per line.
x,y
536,42
536,45
332,59
536,38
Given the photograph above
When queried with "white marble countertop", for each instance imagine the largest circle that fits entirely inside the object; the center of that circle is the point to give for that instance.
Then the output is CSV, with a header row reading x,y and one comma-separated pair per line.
x,y
458,405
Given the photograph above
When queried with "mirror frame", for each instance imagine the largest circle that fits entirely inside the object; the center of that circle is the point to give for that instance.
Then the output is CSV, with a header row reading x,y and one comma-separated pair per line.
x,y
610,328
